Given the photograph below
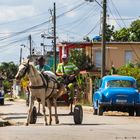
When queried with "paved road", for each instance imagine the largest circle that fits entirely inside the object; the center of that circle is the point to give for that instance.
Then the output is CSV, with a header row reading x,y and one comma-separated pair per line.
x,y
111,126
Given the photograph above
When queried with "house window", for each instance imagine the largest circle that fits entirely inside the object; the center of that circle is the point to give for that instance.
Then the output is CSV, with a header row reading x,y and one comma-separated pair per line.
x,y
98,58
128,56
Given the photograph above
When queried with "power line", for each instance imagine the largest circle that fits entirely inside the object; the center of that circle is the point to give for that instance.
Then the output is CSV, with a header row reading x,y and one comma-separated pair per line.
x,y
117,12
77,6
13,42
93,28
83,19
41,24
125,27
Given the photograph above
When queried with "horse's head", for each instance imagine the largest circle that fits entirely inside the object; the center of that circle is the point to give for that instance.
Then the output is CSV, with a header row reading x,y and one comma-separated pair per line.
x,y
23,69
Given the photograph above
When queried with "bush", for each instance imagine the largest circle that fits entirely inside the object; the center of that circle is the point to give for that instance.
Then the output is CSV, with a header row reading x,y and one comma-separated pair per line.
x,y
130,70
7,86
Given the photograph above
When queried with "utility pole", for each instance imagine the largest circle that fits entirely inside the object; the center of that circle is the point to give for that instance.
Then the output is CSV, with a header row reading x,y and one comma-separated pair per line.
x,y
103,67
54,36
42,44
30,42
103,48
20,55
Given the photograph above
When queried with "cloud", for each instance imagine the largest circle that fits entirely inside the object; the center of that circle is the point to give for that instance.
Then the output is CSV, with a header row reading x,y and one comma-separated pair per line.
x,y
8,13
71,14
15,2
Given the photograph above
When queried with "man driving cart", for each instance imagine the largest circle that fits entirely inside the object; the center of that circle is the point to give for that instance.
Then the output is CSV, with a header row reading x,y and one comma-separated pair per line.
x,y
67,72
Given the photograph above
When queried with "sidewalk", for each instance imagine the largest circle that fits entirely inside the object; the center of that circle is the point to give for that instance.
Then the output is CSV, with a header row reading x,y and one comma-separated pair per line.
x,y
8,115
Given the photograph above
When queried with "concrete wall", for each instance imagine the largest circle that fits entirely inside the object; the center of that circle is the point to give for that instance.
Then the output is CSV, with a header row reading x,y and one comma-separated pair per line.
x,y
115,53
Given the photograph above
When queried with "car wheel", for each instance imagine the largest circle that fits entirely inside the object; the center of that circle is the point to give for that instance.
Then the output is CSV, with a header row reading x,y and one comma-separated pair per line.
x,y
138,112
2,102
131,112
95,111
100,110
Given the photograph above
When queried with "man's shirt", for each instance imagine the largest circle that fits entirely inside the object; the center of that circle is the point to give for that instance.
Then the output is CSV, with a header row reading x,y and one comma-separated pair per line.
x,y
44,68
68,68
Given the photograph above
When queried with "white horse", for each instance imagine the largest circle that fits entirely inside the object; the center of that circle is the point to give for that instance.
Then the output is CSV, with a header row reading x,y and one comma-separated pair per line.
x,y
42,89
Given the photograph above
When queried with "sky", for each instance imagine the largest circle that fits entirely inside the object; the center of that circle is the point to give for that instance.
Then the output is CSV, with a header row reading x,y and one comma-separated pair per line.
x,y
75,20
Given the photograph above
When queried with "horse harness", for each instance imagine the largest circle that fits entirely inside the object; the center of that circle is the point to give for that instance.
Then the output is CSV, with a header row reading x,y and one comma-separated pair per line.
x,y
46,79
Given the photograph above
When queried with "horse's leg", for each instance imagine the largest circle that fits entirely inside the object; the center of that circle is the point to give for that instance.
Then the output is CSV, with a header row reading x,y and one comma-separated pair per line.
x,y
55,108
44,110
50,111
31,103
38,108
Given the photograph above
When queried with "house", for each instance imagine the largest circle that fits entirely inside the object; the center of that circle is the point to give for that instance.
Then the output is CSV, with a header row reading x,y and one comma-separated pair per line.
x,y
117,53
49,58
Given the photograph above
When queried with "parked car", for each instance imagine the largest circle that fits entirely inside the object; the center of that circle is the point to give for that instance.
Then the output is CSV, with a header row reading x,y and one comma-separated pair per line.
x,y
117,93
1,97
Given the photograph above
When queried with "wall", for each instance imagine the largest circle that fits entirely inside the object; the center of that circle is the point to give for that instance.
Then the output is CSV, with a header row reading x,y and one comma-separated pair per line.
x,y
115,53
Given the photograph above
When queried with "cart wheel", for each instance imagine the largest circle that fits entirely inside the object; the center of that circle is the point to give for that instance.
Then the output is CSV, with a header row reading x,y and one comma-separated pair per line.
x,y
2,102
33,116
78,114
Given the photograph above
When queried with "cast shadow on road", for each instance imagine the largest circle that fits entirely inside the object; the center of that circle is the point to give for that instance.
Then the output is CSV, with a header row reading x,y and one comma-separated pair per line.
x,y
85,124
6,105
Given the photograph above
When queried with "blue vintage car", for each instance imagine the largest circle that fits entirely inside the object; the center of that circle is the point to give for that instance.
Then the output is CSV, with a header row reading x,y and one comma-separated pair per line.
x,y
117,93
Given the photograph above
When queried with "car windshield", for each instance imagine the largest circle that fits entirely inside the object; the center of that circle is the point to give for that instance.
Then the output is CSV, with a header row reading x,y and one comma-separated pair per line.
x,y
120,83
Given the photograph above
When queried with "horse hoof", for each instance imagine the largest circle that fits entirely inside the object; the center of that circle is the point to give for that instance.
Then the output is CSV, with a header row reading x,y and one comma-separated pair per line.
x,y
45,124
57,122
26,124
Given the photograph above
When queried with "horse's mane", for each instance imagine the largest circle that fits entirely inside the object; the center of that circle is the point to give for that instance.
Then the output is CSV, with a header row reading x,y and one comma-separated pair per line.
x,y
33,68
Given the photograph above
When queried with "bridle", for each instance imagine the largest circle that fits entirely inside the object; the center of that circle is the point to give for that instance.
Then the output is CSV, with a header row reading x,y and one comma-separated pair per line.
x,y
26,69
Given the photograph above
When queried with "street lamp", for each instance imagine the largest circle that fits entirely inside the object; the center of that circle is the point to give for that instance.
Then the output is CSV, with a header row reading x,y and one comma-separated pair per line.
x,y
95,1
25,46
103,35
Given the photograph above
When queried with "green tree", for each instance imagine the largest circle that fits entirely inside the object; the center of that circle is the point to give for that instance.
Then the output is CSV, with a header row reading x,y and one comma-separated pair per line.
x,y
6,85
81,60
109,32
130,70
135,30
122,35
8,70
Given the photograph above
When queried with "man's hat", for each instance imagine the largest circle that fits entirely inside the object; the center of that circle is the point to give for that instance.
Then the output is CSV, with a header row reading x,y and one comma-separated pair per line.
x,y
40,58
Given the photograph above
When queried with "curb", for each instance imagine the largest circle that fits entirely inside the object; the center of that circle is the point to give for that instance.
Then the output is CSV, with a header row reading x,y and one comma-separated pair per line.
x,y
88,108
4,122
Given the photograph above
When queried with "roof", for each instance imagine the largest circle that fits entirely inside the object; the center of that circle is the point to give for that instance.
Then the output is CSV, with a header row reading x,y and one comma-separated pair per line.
x,y
118,77
90,44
